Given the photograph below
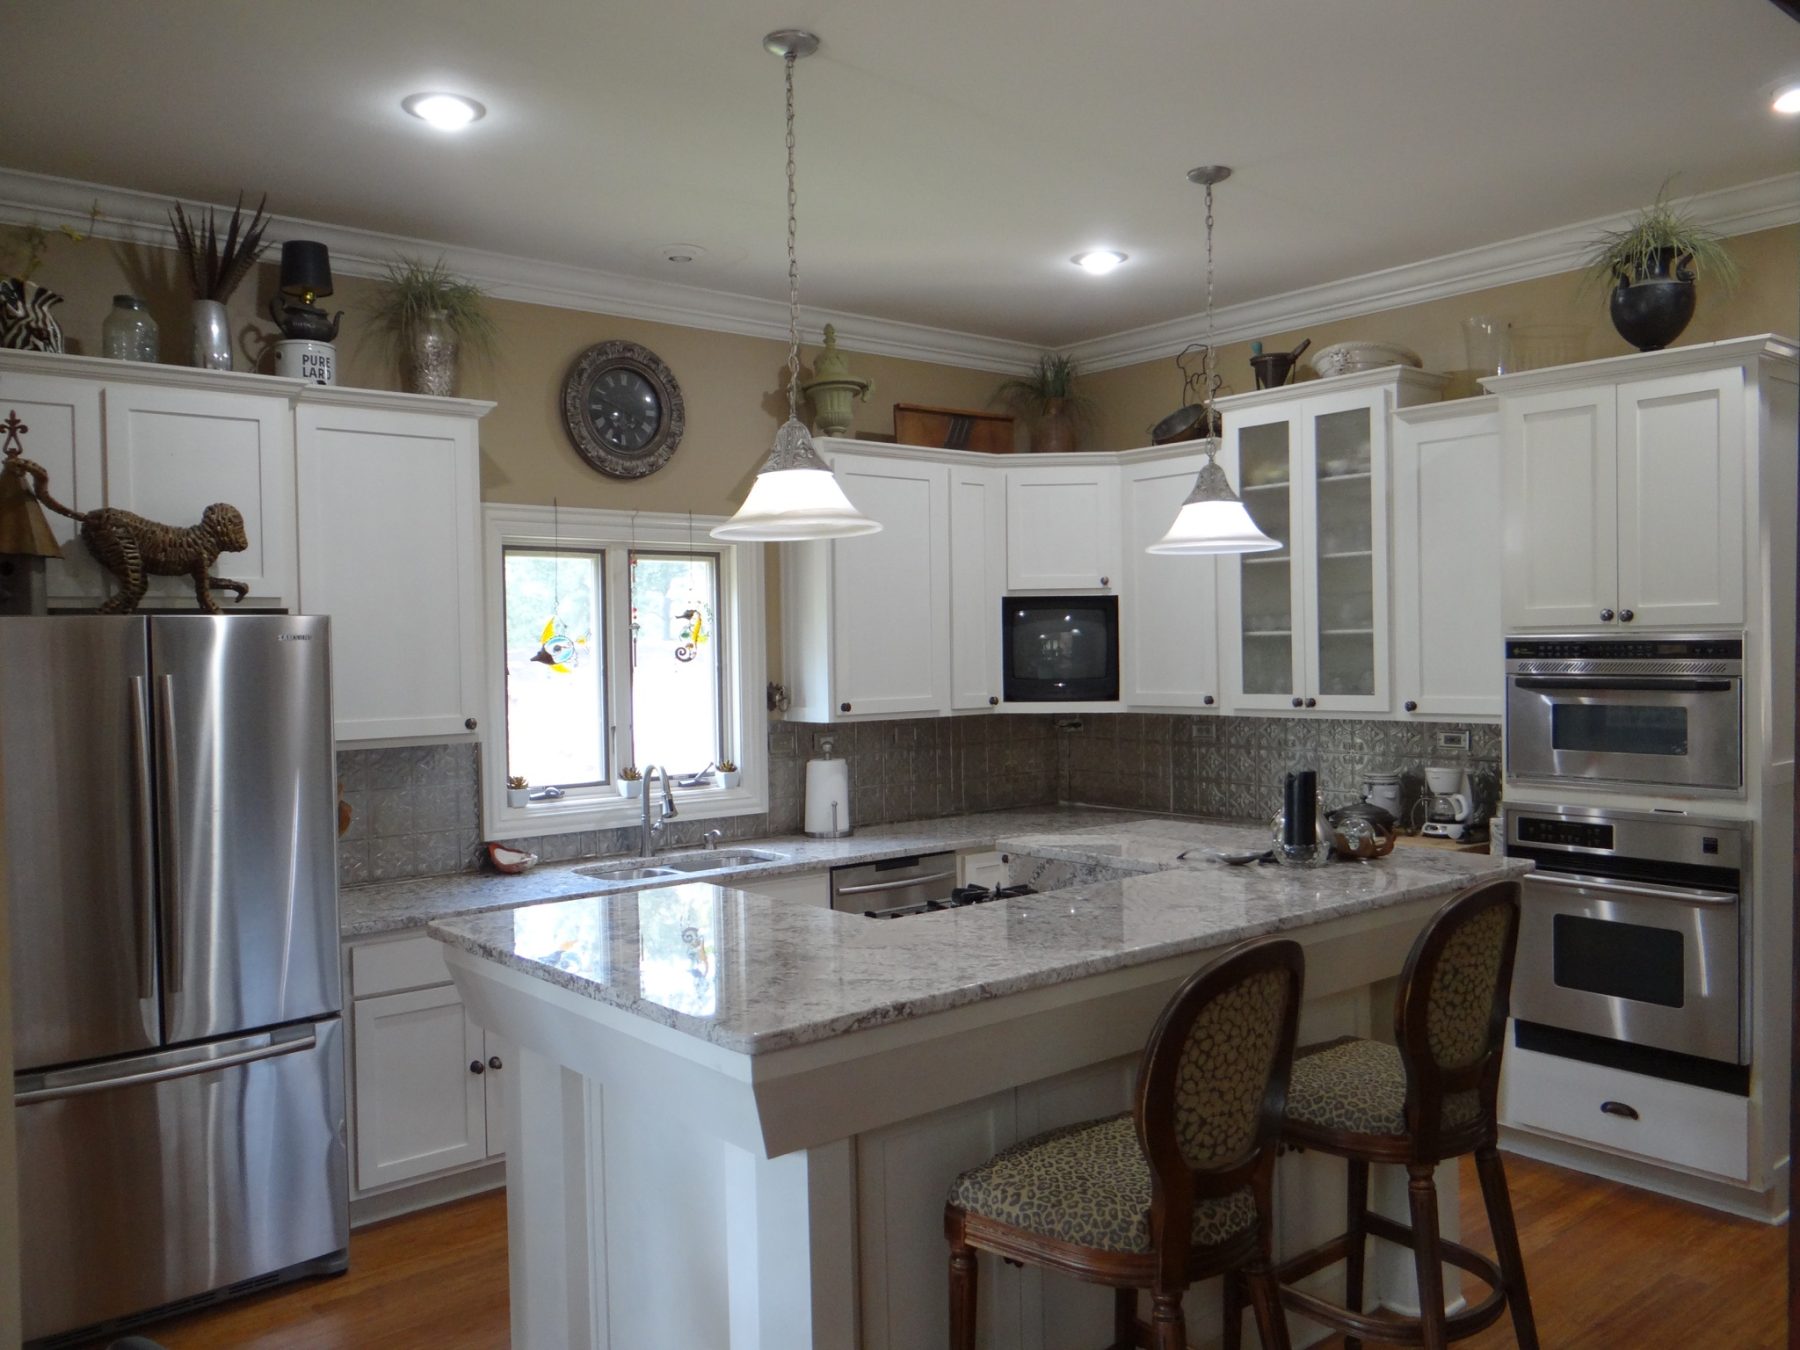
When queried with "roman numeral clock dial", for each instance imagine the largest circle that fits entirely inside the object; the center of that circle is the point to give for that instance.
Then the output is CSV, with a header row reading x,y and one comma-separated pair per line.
x,y
622,409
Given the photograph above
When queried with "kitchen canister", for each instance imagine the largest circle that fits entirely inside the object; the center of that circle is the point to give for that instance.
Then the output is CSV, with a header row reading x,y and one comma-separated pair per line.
x,y
128,333
827,798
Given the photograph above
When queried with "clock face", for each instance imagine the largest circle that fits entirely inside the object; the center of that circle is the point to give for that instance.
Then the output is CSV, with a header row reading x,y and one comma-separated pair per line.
x,y
622,409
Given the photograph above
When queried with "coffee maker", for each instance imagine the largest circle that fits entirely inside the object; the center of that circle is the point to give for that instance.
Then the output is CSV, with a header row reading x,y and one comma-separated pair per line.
x,y
1450,802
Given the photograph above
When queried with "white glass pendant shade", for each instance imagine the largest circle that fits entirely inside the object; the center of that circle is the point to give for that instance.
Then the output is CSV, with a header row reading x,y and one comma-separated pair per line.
x,y
795,496
1213,520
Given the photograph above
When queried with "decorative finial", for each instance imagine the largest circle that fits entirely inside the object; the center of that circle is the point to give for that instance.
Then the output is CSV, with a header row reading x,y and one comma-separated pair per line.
x,y
15,429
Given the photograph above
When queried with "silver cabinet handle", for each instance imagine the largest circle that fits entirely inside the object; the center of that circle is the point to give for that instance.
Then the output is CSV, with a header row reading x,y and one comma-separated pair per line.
x,y
1582,881
143,852
168,837
876,887
57,1091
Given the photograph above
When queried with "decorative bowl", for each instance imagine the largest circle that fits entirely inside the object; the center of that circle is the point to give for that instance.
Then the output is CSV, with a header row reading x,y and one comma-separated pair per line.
x,y
1344,358
510,860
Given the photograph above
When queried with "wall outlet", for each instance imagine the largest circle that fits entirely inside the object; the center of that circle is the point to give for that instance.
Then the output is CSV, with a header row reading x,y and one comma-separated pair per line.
x,y
1453,740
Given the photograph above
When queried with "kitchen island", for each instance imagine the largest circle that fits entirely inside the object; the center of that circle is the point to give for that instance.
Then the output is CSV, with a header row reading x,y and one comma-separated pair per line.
x,y
736,1119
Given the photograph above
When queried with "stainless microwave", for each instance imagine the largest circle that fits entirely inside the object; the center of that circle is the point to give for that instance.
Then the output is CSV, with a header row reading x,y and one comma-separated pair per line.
x,y
1656,714
1060,648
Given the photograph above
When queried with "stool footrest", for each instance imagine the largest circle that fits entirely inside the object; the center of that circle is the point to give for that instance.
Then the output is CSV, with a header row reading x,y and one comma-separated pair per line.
x,y
1389,1326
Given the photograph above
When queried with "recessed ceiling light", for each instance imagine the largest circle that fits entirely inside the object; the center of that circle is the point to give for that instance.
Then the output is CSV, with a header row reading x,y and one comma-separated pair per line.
x,y
1098,261
1788,100
446,112
682,253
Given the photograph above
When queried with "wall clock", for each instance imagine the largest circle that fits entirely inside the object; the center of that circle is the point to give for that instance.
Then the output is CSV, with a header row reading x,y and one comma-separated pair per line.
x,y
622,409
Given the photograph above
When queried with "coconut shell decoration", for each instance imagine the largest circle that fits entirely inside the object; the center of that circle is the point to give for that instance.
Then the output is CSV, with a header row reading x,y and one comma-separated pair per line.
x,y
505,858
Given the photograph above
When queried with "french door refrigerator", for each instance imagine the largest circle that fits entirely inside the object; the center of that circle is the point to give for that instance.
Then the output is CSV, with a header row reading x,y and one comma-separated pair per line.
x,y
170,812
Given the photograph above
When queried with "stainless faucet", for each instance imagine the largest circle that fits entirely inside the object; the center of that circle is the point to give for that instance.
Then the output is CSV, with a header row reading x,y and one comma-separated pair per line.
x,y
712,838
647,841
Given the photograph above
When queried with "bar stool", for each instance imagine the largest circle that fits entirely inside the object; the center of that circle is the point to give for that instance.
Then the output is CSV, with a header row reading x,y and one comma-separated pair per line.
x,y
1173,1191
1417,1103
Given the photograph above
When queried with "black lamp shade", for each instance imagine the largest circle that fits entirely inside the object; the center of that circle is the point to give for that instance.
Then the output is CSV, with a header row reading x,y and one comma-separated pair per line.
x,y
305,268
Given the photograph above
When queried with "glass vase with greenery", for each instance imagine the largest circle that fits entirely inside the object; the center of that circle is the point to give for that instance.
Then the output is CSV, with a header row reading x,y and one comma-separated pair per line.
x,y
428,315
1048,403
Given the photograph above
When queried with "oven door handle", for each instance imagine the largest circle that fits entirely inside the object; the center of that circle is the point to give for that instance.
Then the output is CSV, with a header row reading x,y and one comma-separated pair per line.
x,y
1650,891
904,884
1625,684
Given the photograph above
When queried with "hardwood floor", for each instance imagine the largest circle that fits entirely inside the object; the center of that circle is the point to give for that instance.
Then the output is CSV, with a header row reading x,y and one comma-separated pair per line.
x,y
1611,1268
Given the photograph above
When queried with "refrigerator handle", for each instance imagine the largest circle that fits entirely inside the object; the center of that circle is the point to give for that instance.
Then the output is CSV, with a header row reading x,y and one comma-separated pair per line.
x,y
143,826
274,1045
168,845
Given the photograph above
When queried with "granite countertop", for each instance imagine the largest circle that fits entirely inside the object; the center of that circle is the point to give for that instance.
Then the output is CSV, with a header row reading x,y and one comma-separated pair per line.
x,y
388,907
755,975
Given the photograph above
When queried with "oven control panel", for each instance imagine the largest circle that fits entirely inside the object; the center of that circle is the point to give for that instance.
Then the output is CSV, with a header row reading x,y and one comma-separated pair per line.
x,y
1624,649
1564,833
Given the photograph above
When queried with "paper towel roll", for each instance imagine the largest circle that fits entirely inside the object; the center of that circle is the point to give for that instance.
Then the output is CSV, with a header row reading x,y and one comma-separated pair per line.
x,y
827,787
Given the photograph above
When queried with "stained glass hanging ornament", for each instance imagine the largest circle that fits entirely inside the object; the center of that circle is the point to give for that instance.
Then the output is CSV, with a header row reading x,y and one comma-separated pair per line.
x,y
559,649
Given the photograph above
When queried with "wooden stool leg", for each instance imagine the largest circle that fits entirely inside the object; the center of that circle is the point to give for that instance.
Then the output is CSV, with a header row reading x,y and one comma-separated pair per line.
x,y
1356,1236
1233,1304
1506,1244
962,1287
1168,1326
1265,1294
1428,1255
1125,1323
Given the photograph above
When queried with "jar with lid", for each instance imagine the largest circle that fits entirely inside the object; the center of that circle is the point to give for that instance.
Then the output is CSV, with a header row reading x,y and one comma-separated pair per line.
x,y
129,333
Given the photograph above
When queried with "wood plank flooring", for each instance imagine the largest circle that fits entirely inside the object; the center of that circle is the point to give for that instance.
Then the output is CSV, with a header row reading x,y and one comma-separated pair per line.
x,y
1610,1267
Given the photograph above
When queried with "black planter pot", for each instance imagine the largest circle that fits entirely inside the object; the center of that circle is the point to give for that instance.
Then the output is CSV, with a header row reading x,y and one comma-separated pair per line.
x,y
1651,311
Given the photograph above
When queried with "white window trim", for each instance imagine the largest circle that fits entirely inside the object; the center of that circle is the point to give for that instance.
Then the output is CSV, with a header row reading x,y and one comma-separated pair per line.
x,y
745,629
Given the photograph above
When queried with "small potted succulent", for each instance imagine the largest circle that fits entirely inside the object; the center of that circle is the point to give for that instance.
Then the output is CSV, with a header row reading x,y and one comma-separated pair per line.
x,y
518,791
1650,268
729,777
631,782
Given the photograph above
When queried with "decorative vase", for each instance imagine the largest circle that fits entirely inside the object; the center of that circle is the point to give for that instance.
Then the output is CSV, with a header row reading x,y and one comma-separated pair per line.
x,y
833,389
1054,432
1651,311
26,324
429,363
212,335
128,333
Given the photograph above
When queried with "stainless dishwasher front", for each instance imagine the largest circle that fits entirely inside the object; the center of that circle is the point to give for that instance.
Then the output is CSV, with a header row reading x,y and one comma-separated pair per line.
x,y
908,883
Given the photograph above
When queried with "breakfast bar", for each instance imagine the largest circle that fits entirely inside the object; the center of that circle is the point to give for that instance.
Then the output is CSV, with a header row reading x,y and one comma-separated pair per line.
x,y
736,1118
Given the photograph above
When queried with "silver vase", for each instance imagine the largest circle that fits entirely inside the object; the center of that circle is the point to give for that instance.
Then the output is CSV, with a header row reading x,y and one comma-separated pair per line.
x,y
429,366
212,335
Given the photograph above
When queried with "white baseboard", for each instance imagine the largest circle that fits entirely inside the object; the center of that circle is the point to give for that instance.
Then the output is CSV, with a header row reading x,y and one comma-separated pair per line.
x,y
1768,1206
411,1196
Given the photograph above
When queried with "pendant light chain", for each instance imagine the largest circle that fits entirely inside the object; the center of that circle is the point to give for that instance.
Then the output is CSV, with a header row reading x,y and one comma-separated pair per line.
x,y
793,205
1209,365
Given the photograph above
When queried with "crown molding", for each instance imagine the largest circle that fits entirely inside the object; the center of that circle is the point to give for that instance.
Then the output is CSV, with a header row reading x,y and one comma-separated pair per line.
x,y
1761,205
132,217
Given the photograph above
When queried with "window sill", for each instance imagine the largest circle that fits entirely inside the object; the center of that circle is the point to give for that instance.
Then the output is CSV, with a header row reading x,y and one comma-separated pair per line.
x,y
599,812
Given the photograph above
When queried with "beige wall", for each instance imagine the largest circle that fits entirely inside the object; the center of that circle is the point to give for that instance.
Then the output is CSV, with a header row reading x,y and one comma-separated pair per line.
x,y
1132,399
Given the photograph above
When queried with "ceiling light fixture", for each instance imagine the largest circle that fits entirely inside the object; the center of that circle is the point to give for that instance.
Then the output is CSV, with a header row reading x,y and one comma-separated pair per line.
x,y
1212,519
795,495
1787,101
1099,261
446,112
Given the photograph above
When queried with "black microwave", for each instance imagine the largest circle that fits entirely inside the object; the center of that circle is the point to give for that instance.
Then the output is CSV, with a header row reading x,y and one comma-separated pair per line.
x,y
1060,648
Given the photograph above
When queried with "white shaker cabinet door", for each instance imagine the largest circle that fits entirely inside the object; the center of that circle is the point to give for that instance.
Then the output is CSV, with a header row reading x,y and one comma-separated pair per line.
x,y
421,1104
170,453
1168,604
1062,528
1682,503
977,581
389,512
62,420
1560,493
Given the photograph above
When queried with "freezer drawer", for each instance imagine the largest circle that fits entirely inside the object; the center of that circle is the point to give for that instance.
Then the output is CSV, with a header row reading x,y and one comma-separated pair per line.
x,y
160,1177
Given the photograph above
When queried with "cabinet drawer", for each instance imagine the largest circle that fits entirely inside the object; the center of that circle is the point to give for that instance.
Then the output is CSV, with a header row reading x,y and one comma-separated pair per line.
x,y
1683,1126
405,963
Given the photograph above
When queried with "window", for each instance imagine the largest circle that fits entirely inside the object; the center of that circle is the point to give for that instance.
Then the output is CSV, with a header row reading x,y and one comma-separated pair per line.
x,y
616,640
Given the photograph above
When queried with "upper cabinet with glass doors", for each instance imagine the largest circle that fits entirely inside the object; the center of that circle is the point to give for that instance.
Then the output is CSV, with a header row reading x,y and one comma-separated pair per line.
x,y
1306,626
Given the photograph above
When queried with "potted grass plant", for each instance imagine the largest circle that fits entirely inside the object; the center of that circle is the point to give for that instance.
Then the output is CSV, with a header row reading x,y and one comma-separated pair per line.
x,y
430,317
1049,404
1650,268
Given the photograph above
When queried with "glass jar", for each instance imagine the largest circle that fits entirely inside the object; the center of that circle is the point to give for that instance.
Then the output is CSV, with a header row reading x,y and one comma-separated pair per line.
x,y
129,333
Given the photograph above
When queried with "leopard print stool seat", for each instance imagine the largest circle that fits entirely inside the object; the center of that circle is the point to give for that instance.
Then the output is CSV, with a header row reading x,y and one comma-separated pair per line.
x,y
1359,1087
1088,1184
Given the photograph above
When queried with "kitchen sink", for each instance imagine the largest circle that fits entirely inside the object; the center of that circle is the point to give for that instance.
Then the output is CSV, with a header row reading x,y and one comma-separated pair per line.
x,y
627,872
713,860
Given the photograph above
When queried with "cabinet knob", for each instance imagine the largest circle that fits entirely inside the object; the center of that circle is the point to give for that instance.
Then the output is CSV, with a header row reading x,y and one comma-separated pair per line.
x,y
1626,616
1299,702
1106,581
1208,700
1606,616
1312,702
993,700
1411,705
469,723
494,1062
843,707
476,1066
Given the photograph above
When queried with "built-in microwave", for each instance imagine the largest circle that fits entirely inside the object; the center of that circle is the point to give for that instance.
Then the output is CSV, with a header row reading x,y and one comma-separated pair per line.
x,y
1060,648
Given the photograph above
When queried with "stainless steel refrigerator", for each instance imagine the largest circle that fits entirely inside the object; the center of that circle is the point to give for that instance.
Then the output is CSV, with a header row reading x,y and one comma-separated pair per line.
x,y
170,855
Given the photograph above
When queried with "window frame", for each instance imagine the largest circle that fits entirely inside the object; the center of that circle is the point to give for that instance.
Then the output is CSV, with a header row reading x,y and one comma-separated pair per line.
x,y
741,626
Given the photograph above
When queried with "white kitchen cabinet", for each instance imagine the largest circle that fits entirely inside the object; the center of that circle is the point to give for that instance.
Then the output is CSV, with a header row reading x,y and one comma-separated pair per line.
x,y
1625,497
977,581
172,452
1168,604
421,1100
1306,626
389,507
868,618
809,888
1062,527
62,420
1448,645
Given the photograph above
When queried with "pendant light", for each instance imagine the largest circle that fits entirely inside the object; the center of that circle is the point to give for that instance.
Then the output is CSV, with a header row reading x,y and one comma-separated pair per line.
x,y
1212,519
795,496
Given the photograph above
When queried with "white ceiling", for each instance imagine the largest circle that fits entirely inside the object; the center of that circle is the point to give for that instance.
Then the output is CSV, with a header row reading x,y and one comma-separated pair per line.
x,y
952,155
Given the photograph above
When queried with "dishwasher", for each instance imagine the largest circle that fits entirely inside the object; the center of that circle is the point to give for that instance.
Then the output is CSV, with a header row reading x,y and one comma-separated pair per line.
x,y
912,884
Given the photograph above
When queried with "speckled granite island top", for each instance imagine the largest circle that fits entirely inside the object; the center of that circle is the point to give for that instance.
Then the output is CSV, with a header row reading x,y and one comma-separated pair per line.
x,y
755,975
